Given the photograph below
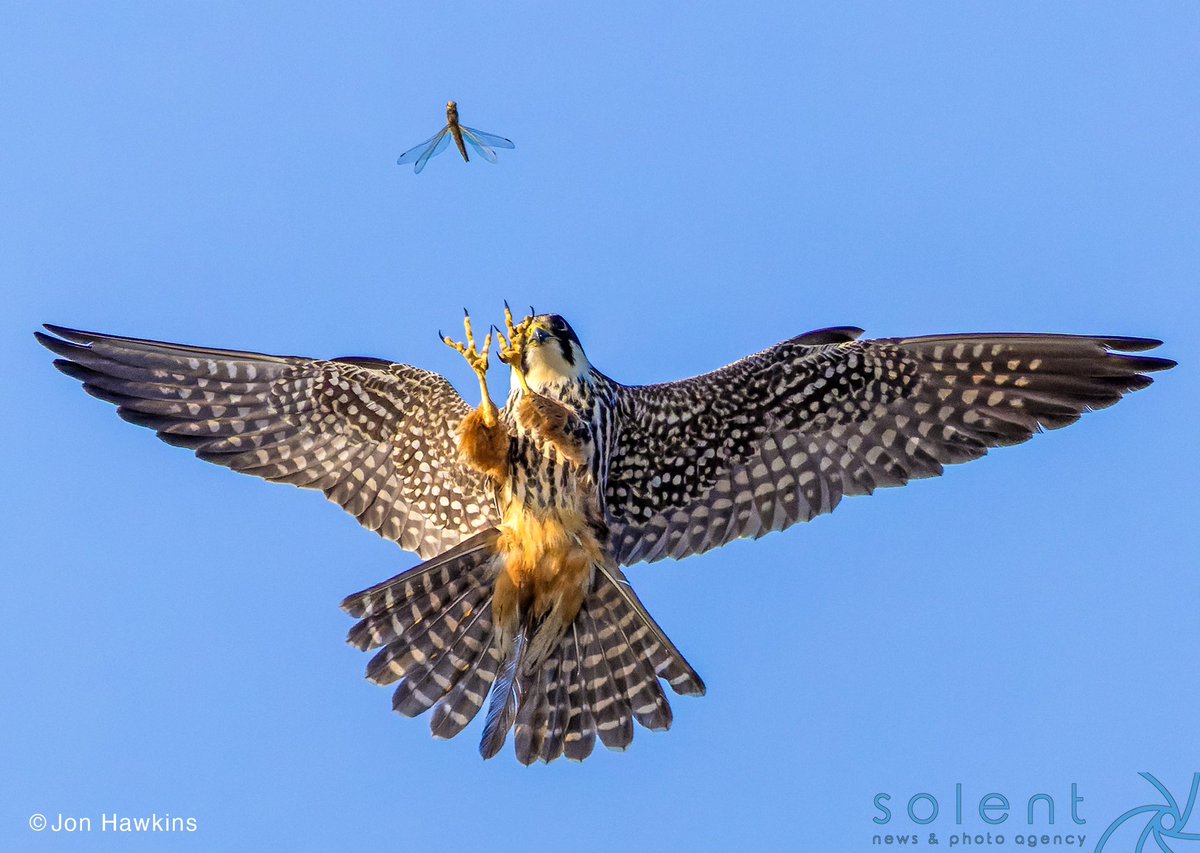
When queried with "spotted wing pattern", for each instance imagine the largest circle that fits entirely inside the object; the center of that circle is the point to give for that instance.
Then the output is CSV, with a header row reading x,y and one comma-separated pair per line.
x,y
781,436
375,437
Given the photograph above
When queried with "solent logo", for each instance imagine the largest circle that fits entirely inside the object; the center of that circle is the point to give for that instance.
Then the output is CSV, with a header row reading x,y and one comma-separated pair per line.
x,y
1156,828
1165,821
1029,822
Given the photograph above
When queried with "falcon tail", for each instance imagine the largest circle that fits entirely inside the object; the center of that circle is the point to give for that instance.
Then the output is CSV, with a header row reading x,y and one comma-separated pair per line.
x,y
434,624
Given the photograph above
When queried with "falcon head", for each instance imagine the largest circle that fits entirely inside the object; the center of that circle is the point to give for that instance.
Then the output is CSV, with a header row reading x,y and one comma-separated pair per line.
x,y
552,353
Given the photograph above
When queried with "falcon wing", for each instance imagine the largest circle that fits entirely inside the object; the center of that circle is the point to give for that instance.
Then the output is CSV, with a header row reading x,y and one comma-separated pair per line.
x,y
781,436
375,437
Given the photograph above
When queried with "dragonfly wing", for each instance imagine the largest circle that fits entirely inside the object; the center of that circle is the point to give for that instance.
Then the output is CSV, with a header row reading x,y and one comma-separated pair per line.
x,y
412,154
478,144
438,145
489,138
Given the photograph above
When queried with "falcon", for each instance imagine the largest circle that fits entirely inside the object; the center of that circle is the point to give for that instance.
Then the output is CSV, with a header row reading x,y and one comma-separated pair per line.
x,y
525,515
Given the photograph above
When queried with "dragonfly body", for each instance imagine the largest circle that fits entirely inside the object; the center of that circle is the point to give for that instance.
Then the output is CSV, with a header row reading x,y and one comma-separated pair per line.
x,y
462,135
456,129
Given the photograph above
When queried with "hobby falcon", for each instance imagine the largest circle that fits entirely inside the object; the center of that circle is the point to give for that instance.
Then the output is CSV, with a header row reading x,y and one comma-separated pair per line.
x,y
525,515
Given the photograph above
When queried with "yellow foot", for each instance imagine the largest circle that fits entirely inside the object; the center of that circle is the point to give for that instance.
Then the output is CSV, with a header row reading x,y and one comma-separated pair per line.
x,y
512,347
478,360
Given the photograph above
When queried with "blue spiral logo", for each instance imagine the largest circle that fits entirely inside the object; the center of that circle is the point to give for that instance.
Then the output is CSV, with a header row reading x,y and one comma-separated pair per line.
x,y
1166,821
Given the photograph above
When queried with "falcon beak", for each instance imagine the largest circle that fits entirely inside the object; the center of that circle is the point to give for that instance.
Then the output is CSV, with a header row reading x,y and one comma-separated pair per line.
x,y
538,335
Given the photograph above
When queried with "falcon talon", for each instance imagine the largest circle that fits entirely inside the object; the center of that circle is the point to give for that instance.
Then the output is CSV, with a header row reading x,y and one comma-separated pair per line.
x,y
512,347
478,362
513,353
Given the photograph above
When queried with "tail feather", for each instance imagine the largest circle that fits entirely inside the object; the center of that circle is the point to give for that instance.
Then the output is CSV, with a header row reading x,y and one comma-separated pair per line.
x,y
556,723
434,623
610,707
424,644
455,712
645,636
579,739
435,634
601,677
633,675
388,609
503,704
646,698
424,687
533,714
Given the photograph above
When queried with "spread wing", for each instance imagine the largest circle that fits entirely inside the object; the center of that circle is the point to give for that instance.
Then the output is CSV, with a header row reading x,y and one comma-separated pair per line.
x,y
377,438
781,436
423,153
485,142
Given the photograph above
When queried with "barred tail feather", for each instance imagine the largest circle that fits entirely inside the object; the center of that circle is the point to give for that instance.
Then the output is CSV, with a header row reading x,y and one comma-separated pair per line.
x,y
418,592
557,692
601,676
579,739
455,712
533,714
424,687
597,679
438,643
423,645
646,698
610,707
648,640
434,624
505,696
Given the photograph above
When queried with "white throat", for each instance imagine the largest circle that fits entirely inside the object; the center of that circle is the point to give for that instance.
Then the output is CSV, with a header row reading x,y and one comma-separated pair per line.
x,y
546,369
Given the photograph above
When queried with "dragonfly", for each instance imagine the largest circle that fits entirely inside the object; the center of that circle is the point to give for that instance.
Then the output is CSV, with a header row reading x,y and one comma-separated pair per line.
x,y
484,143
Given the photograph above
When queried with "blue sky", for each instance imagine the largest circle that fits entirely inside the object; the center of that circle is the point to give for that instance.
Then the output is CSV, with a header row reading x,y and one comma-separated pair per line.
x,y
690,184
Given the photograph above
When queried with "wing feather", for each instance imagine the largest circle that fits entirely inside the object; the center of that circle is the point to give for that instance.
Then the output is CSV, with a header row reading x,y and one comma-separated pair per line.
x,y
376,437
782,436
